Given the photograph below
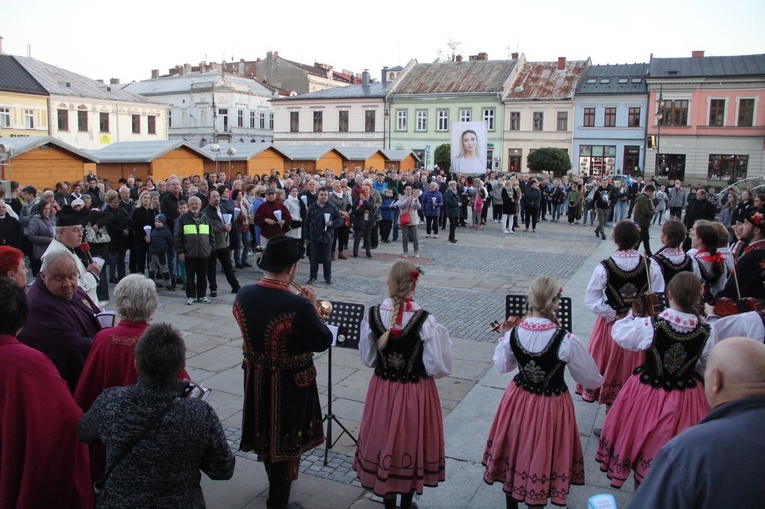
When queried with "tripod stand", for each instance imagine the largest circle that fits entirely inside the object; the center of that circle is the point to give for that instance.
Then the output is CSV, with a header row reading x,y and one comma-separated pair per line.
x,y
347,318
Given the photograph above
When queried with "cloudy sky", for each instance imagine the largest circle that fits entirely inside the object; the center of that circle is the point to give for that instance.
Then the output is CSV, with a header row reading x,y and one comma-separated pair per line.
x,y
127,40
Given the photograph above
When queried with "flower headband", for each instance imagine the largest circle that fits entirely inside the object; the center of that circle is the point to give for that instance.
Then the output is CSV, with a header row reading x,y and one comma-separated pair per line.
x,y
757,219
415,275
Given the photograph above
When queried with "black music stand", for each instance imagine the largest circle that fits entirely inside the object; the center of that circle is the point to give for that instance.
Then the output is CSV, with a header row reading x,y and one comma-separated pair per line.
x,y
515,305
347,318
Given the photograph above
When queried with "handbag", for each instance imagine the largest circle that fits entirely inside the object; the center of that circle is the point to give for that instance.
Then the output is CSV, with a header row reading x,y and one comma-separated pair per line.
x,y
404,219
347,221
96,237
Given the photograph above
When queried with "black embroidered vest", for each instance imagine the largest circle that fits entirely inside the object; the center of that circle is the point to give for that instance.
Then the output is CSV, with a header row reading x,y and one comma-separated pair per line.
x,y
708,280
540,373
669,269
401,359
670,360
622,286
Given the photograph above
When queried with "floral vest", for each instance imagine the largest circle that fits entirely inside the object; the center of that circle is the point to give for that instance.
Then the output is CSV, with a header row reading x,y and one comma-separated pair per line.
x,y
540,373
401,359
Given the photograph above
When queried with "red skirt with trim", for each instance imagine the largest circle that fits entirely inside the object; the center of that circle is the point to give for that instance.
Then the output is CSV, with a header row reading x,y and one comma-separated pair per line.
x,y
401,437
534,448
641,421
615,363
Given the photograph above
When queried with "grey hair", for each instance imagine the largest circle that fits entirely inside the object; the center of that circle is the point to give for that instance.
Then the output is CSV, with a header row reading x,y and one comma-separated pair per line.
x,y
126,188
452,182
367,181
55,257
135,298
195,198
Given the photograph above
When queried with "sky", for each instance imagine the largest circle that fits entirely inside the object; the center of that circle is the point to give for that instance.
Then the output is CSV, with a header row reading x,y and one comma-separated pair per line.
x,y
126,40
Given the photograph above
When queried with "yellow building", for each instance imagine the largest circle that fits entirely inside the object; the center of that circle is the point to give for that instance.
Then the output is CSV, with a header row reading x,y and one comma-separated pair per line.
x,y
23,102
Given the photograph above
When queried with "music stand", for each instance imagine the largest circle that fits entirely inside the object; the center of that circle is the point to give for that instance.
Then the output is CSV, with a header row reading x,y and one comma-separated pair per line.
x,y
515,305
347,318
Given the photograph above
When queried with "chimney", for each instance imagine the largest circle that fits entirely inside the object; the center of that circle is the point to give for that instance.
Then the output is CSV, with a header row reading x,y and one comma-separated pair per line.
x,y
276,53
697,54
458,58
100,81
114,81
483,56
154,74
514,56
241,67
182,70
385,75
269,54
561,63
365,78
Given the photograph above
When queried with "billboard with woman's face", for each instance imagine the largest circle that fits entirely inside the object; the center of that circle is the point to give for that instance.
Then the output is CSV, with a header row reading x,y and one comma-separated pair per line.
x,y
469,147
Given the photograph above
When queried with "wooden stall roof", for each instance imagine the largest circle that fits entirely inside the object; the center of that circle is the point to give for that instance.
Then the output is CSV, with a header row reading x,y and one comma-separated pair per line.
x,y
399,155
140,151
244,151
307,152
18,146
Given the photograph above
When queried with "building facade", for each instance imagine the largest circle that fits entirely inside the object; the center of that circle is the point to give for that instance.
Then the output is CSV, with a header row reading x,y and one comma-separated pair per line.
x,y
610,114
539,110
709,121
23,102
426,98
89,114
350,116
212,106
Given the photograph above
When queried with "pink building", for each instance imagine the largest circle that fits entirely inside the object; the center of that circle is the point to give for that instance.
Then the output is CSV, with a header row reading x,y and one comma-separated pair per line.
x,y
707,116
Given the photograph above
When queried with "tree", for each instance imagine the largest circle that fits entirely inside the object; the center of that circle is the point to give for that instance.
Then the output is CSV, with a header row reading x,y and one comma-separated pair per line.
x,y
550,159
443,156
450,54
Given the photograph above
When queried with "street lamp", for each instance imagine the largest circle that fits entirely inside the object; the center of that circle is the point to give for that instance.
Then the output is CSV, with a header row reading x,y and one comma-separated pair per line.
x,y
231,152
659,117
215,149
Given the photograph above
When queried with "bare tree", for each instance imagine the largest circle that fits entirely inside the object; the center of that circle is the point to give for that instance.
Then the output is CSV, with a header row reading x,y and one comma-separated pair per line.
x,y
451,53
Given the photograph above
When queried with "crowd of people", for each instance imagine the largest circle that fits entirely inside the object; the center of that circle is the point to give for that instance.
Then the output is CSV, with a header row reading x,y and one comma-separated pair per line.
x,y
130,421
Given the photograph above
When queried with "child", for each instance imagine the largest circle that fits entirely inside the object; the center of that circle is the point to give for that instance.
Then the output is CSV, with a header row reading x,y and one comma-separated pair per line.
x,y
387,214
533,447
159,248
401,438
180,267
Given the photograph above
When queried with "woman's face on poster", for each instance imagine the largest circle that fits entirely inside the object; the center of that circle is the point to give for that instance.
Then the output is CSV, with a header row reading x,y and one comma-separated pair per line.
x,y
469,142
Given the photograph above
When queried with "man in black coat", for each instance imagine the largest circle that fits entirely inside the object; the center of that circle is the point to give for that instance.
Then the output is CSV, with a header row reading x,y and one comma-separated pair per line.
x,y
700,208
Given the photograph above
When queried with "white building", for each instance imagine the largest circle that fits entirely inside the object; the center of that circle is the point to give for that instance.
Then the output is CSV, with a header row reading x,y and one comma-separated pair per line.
x,y
351,116
212,106
88,113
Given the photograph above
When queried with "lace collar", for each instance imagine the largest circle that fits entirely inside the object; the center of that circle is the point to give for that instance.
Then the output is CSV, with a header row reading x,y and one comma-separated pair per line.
x,y
537,324
680,320
626,253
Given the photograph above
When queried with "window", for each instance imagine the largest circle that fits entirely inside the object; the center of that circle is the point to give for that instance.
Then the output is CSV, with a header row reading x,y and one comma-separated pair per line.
x,y
675,112
223,115
103,122
294,121
240,118
422,120
29,119
745,112
623,81
401,120
609,117
562,121
262,119
271,120
515,120
443,120
633,117
63,120
488,118
343,121
727,167
369,121
605,81
592,81
539,121
317,121
136,124
82,120
252,120
465,115
717,112
152,124
5,117
589,117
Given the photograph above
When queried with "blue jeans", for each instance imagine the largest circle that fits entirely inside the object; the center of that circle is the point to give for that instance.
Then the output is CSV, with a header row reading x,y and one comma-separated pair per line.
x,y
240,241
620,210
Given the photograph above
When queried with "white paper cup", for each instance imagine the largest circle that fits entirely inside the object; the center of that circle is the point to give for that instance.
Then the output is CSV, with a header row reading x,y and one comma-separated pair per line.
x,y
227,218
278,215
237,212
147,229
